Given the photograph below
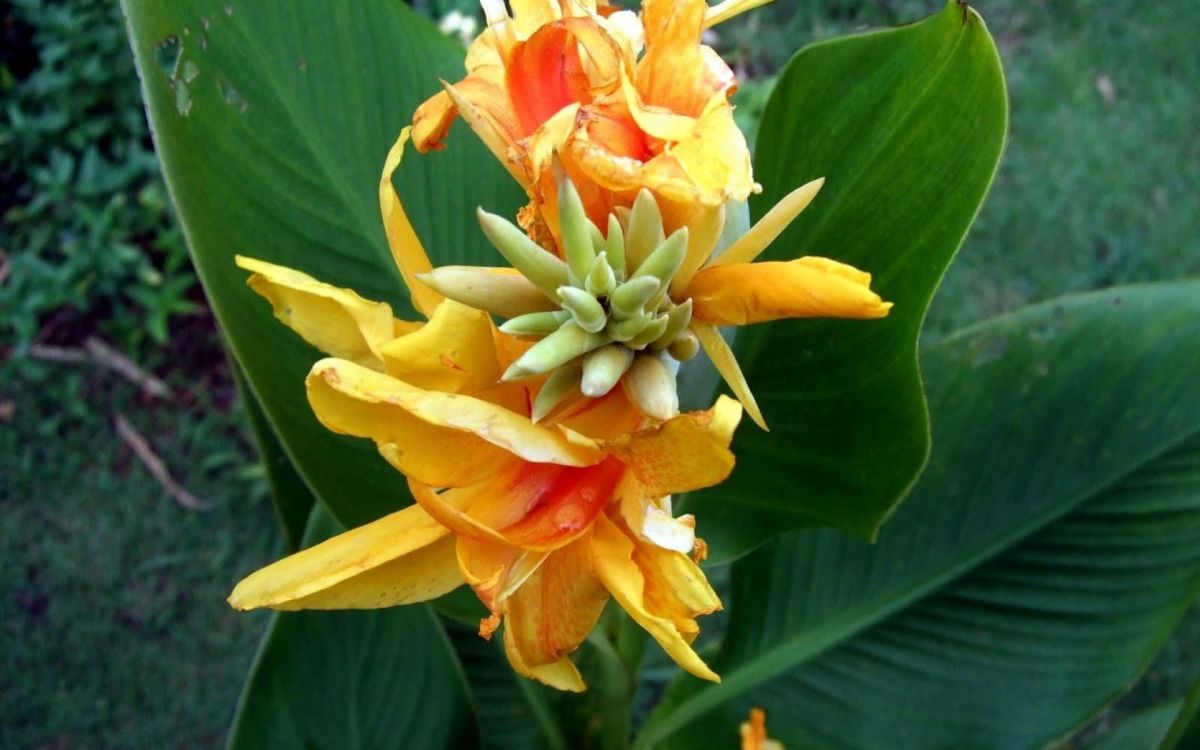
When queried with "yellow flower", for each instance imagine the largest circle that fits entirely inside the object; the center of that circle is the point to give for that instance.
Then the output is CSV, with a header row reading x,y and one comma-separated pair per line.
x,y
545,521
626,101
633,108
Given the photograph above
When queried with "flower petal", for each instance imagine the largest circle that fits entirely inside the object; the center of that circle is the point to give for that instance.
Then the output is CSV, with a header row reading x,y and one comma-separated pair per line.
x,y
561,675
712,167
555,608
751,244
401,558
612,559
440,439
557,503
336,321
454,353
722,358
675,588
723,11
406,247
495,571
688,452
745,293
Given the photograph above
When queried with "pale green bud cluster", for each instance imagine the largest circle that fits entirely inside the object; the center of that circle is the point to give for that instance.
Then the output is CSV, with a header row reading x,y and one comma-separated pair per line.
x,y
603,316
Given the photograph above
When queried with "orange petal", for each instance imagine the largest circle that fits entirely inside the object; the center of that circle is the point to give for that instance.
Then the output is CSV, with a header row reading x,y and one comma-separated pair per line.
x,y
544,75
612,560
559,502
677,72
401,558
406,247
686,453
495,571
561,675
551,613
744,293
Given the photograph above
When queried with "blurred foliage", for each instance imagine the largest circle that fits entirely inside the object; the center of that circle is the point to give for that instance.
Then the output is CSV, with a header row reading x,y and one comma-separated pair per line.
x,y
85,229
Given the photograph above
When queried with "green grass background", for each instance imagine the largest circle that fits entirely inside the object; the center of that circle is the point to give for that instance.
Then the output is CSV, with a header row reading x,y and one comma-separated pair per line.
x,y
114,628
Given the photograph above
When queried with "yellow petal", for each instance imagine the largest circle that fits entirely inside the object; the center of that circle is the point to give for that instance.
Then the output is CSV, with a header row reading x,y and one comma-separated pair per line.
x,y
612,560
704,229
711,167
336,321
401,558
675,587
722,358
745,293
686,453
406,247
432,429
750,245
656,122
561,675
555,609
723,11
455,352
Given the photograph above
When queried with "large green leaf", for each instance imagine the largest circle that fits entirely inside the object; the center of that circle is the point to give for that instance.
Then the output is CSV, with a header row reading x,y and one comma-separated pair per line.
x,y
272,119
1040,562
359,679
907,126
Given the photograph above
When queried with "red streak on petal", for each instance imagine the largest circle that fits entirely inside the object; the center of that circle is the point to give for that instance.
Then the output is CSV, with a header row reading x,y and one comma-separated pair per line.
x,y
560,501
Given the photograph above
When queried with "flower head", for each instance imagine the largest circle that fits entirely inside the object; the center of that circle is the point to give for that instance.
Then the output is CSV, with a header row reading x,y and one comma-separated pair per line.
x,y
626,101
546,521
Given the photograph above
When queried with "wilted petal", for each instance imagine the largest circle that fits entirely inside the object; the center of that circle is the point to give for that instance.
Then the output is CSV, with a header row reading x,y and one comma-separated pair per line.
x,y
745,293
402,558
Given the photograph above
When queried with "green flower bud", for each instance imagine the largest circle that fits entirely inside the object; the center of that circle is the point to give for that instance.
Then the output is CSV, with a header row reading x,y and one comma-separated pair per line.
x,y
666,258
557,387
505,294
680,316
601,280
685,346
540,266
603,368
629,298
650,384
562,346
585,308
624,330
653,330
576,236
535,324
645,229
614,245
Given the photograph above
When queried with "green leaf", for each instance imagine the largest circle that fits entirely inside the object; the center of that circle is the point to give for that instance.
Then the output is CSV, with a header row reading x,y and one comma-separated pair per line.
x,y
1140,731
907,126
290,497
1041,561
272,141
354,679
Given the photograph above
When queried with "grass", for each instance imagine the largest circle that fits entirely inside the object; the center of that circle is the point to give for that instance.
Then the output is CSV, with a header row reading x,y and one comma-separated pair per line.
x,y
112,606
